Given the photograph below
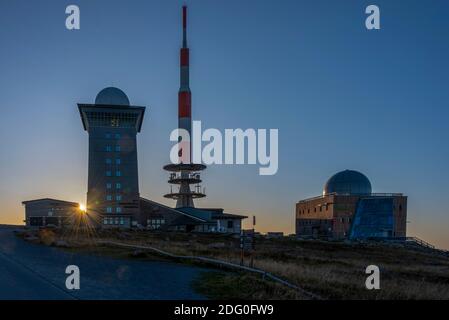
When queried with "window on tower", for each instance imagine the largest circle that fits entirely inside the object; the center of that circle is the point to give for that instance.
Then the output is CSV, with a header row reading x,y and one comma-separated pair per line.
x,y
108,185
117,148
108,148
118,185
118,173
115,122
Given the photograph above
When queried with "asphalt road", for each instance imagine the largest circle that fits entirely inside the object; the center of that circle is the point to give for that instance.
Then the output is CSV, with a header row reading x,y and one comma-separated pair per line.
x,y
30,271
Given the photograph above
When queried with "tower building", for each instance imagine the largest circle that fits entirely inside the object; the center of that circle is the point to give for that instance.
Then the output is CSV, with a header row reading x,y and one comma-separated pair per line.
x,y
113,199
185,173
113,186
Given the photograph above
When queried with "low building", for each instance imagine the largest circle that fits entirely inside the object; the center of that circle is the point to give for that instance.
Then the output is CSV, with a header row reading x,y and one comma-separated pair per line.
x,y
188,219
156,216
348,209
153,216
275,235
49,212
216,220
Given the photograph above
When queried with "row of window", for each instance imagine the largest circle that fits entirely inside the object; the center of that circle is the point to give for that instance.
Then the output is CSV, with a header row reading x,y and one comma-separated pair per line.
x,y
108,148
154,224
117,210
116,136
118,197
118,185
313,222
108,119
117,161
114,221
326,207
118,173
320,221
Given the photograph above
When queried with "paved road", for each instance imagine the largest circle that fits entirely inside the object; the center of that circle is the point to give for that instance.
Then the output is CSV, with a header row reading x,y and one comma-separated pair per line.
x,y
29,271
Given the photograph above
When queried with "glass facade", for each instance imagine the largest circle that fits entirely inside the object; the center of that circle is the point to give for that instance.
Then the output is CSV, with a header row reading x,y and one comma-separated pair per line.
x,y
373,219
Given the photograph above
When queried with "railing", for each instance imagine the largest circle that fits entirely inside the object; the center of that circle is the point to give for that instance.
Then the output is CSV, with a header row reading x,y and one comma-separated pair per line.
x,y
420,242
219,263
179,175
415,241
410,239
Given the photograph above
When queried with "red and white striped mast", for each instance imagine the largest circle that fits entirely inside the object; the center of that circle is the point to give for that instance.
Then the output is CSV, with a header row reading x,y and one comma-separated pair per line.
x,y
184,94
187,173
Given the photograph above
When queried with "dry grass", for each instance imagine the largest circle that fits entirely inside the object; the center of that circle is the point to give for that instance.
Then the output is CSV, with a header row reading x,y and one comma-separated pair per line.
x,y
331,270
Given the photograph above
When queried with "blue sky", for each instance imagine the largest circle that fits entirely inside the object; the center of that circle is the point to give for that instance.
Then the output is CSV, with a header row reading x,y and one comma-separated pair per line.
x,y
341,96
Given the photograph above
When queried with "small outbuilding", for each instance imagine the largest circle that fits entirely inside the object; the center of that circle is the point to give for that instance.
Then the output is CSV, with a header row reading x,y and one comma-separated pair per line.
x,y
49,212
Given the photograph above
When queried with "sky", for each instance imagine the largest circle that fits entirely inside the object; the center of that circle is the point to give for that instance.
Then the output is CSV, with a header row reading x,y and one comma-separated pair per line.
x,y
341,96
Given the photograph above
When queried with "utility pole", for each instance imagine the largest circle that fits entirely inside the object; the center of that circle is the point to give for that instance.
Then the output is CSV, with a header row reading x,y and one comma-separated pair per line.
x,y
253,242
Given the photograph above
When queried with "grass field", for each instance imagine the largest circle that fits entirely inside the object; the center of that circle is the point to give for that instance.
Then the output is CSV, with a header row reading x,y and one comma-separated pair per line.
x,y
329,269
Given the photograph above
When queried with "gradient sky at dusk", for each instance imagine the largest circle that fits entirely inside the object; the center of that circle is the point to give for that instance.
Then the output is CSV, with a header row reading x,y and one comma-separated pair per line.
x,y
341,96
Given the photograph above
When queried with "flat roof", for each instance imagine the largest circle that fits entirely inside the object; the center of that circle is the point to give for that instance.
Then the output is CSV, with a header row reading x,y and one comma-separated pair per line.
x,y
82,107
49,199
353,195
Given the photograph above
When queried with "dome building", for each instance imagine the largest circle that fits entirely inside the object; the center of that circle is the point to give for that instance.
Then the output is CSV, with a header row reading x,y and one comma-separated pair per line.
x,y
348,209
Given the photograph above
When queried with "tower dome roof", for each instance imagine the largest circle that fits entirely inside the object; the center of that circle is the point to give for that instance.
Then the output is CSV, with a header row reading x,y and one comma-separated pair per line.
x,y
348,182
112,96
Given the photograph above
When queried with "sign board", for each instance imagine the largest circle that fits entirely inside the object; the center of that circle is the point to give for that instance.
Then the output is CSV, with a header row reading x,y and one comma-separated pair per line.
x,y
247,240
